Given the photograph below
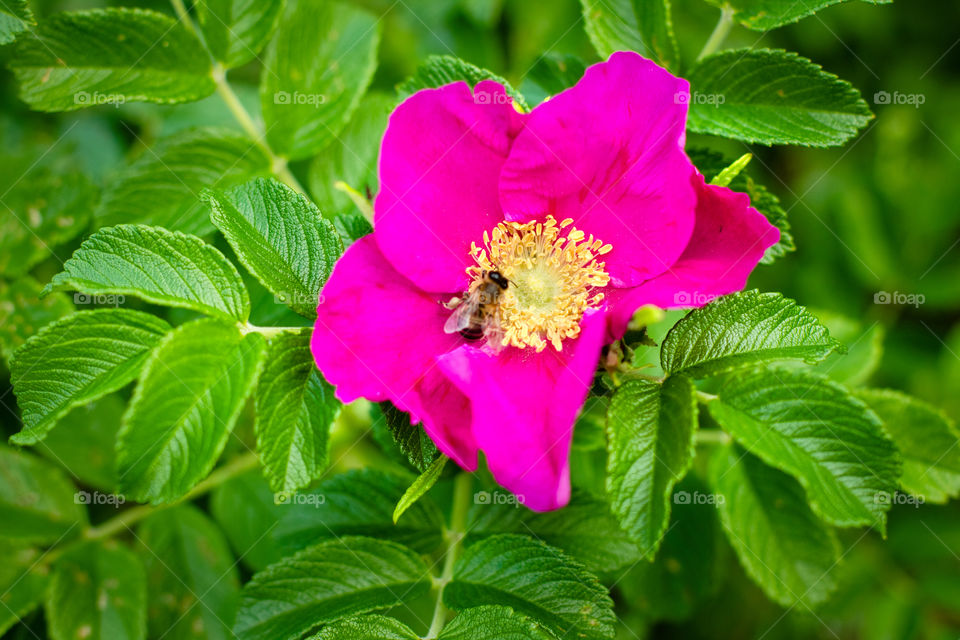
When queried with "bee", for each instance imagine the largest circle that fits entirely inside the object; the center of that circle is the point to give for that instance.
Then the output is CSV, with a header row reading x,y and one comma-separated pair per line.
x,y
476,316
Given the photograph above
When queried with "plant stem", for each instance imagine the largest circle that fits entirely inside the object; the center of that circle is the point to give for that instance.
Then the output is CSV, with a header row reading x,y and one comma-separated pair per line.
x,y
712,436
704,397
454,536
268,332
719,33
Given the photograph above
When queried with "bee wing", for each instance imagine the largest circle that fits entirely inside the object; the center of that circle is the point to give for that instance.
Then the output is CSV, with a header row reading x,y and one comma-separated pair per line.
x,y
493,333
460,318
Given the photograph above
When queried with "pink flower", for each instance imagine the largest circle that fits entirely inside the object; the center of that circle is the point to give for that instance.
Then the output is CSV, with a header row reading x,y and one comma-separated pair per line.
x,y
588,206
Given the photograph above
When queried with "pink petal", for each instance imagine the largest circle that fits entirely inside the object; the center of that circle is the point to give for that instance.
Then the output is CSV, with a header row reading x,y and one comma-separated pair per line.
x,y
524,406
608,153
728,241
439,165
447,418
376,334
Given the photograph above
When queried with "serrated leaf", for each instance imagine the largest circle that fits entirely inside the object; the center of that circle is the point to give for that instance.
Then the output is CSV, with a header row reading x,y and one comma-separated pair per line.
x,y
236,30
493,623
643,26
370,627
295,408
352,227
36,500
43,210
192,577
109,56
782,545
358,502
652,430
742,330
864,349
812,428
326,582
551,74
420,486
76,360
23,313
280,237
536,580
159,266
773,97
162,186
246,510
764,15
437,71
316,69
23,581
192,389
352,157
15,16
928,440
411,439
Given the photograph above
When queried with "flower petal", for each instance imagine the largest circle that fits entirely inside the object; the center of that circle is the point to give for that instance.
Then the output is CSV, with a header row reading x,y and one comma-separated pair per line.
x,y
608,153
524,407
728,241
447,418
376,334
439,165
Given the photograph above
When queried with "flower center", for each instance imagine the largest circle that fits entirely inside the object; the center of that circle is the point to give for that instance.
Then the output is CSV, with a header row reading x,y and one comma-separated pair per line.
x,y
553,275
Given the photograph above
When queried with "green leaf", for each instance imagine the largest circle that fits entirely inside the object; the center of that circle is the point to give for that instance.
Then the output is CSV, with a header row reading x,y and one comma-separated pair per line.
x,y
37,501
236,30
864,344
98,592
437,71
726,176
411,439
643,26
742,330
764,15
109,56
352,227
280,237
536,580
76,360
493,623
295,408
23,581
812,428
192,578
773,97
369,627
162,186
15,16
23,313
43,210
782,545
358,502
551,74
83,442
326,582
420,486
928,440
245,509
159,266
352,157
192,389
316,69
652,430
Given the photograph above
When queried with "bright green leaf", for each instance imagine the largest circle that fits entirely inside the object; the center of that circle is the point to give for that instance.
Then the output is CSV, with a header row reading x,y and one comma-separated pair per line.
x,y
76,360
369,627
643,26
247,511
15,16
742,330
411,439
281,238
437,71
652,430
773,97
420,486
864,343
536,580
37,501
782,545
812,428
316,69
764,15
326,582
236,30
493,623
109,56
156,265
192,389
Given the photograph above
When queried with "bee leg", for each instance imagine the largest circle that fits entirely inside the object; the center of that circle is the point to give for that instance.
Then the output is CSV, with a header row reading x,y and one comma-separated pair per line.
x,y
452,303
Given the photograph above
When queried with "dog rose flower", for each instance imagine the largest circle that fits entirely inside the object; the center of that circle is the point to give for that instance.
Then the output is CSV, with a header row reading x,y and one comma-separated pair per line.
x,y
587,205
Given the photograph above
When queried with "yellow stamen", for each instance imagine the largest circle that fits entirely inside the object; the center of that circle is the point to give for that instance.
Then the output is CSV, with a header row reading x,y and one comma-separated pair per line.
x,y
553,279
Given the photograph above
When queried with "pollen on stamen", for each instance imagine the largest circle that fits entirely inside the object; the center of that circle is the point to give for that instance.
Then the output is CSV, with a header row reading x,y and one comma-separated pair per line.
x,y
554,279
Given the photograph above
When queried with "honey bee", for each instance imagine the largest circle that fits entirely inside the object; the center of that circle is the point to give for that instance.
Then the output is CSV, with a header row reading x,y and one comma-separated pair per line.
x,y
476,316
